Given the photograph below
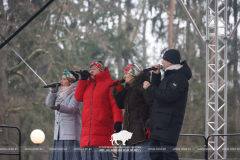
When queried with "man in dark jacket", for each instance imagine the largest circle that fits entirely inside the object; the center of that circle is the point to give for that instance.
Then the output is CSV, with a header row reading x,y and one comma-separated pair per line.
x,y
170,98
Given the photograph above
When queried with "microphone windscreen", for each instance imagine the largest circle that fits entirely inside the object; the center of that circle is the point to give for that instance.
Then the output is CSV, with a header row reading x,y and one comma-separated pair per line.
x,y
122,81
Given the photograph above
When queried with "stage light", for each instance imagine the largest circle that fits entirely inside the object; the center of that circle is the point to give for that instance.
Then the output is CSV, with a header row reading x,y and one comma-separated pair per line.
x,y
37,136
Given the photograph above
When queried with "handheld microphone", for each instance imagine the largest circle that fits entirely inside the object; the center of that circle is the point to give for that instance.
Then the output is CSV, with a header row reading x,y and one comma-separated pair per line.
x,y
52,85
115,84
153,68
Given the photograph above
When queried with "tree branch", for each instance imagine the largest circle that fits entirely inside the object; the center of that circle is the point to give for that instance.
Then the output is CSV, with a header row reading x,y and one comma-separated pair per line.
x,y
16,110
64,28
19,66
60,40
54,27
164,7
24,79
135,32
177,31
124,15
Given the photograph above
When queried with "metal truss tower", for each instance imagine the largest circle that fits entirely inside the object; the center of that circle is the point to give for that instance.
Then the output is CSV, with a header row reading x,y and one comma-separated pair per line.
x,y
216,76
216,73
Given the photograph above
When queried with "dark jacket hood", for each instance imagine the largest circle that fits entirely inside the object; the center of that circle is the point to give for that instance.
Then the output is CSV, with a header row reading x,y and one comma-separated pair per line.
x,y
185,70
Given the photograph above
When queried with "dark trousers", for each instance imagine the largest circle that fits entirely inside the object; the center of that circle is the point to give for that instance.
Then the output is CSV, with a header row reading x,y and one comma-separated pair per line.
x,y
160,150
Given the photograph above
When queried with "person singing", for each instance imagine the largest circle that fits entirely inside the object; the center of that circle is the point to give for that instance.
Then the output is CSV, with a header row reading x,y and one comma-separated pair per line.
x,y
67,118
170,99
137,103
100,115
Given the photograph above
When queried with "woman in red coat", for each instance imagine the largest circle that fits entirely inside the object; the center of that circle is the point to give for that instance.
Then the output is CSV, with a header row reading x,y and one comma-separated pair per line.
x,y
100,115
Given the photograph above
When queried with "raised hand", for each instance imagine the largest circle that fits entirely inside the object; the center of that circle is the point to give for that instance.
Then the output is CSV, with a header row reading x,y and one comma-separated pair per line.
x,y
55,89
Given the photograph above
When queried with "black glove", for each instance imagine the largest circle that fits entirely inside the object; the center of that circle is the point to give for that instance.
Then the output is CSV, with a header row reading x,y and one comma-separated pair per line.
x,y
84,74
117,127
55,89
55,107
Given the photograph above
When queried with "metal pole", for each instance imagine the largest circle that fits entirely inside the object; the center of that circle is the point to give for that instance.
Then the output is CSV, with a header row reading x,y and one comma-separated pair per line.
x,y
207,72
216,83
24,61
25,24
19,141
191,19
225,79
235,28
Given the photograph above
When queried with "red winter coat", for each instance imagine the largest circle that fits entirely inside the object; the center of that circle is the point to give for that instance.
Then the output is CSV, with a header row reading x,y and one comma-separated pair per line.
x,y
100,111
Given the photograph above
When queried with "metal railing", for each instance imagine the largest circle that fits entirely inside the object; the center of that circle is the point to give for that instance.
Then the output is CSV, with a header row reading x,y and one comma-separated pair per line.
x,y
206,153
207,139
116,154
19,141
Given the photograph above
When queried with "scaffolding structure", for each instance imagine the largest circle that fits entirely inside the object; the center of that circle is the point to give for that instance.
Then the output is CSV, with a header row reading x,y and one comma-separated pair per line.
x,y
216,76
216,73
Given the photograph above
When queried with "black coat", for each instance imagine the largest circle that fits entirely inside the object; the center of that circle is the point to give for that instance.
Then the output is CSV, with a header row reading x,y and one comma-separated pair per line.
x,y
170,98
137,103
